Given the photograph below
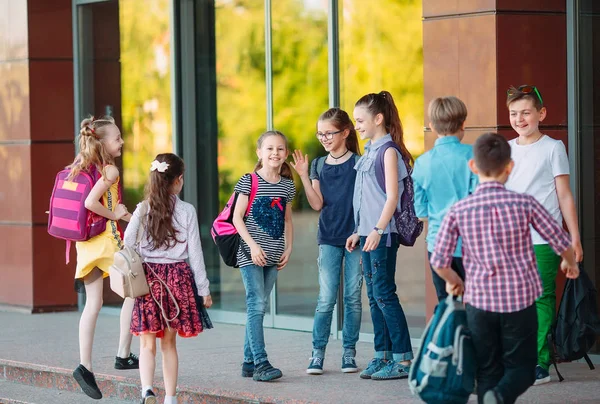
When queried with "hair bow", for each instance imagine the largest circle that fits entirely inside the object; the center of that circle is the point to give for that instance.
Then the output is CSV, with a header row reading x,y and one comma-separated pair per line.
x,y
160,166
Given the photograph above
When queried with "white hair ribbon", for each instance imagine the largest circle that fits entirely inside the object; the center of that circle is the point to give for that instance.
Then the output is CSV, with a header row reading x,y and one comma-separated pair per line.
x,y
160,166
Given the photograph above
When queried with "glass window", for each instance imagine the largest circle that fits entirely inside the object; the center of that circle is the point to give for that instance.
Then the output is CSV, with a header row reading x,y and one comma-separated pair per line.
x,y
300,95
241,113
145,89
588,109
387,54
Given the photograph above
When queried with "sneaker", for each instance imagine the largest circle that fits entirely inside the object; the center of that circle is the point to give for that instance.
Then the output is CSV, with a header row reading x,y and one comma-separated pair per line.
x,y
247,369
349,364
492,397
392,370
131,362
374,366
87,382
149,398
315,367
542,376
265,372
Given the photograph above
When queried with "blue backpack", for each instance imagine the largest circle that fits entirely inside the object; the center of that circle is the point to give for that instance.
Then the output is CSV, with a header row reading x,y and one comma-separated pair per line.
x,y
444,369
408,225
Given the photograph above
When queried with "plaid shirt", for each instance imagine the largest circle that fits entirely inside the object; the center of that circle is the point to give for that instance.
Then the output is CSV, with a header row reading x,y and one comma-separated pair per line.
x,y
500,267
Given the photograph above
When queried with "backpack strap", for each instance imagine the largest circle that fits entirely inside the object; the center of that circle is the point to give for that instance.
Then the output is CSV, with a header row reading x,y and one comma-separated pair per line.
x,y
379,162
68,251
380,174
253,191
320,164
552,349
589,361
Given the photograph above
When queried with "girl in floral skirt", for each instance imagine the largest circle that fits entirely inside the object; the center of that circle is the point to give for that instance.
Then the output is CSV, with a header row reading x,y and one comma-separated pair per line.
x,y
170,237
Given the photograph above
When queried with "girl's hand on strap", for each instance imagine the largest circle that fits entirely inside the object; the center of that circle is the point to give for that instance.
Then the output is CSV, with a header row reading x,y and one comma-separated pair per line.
x,y
300,163
285,257
120,211
352,242
259,257
372,241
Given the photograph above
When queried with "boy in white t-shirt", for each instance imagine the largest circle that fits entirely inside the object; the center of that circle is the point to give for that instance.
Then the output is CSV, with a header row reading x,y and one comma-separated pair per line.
x,y
541,170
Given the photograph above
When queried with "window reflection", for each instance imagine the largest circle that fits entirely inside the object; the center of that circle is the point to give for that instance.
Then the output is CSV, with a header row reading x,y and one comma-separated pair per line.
x,y
300,95
145,89
241,112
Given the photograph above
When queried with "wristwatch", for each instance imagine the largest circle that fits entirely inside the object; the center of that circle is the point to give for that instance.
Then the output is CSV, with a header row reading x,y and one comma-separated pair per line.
x,y
378,230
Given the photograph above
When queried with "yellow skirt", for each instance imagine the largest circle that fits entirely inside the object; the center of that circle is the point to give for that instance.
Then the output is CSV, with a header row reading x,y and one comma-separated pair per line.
x,y
96,252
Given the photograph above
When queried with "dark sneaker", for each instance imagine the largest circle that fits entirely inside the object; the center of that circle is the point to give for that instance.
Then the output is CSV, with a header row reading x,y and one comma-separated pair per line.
x,y
315,367
492,397
247,369
131,362
265,372
375,365
149,398
542,376
392,370
349,364
87,382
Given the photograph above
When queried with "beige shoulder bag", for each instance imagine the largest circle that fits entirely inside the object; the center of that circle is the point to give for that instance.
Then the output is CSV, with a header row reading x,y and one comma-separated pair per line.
x,y
127,277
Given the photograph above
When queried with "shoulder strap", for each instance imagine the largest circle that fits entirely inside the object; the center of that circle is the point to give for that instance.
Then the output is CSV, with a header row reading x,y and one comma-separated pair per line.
x,y
320,164
143,212
253,191
356,158
379,163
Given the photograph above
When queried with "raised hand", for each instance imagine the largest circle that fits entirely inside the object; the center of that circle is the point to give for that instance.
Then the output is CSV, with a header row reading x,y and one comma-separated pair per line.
x,y
300,163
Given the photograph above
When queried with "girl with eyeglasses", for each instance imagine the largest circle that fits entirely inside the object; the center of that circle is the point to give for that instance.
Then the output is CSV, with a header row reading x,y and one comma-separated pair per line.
x,y
329,186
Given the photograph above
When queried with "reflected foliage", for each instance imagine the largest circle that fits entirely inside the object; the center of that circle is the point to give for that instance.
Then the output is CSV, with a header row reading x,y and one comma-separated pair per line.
x,y
146,89
380,48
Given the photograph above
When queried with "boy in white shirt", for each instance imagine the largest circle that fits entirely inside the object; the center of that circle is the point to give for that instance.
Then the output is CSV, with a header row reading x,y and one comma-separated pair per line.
x,y
541,170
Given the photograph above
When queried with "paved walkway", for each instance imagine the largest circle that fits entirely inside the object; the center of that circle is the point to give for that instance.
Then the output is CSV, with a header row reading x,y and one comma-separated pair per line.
x,y
43,349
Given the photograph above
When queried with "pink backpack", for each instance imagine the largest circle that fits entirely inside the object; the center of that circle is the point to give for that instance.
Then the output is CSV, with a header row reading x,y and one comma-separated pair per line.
x,y
68,218
223,231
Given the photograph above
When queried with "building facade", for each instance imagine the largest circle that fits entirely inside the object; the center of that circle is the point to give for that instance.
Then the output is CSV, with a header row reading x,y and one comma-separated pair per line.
x,y
204,78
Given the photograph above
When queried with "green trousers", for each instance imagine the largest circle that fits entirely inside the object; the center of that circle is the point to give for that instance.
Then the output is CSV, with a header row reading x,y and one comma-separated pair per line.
x,y
548,263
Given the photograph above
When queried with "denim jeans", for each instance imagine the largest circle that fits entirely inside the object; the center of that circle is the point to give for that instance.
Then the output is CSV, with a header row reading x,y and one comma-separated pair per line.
x,y
439,283
506,350
330,262
389,321
258,282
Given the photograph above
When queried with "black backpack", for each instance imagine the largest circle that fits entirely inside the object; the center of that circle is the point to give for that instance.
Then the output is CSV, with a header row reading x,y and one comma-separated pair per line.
x,y
577,323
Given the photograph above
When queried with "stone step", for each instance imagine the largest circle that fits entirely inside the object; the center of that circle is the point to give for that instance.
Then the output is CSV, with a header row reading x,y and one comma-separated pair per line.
x,y
56,380
16,393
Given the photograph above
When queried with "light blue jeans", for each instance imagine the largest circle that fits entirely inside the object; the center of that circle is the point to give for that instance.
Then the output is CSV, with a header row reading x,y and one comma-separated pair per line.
x,y
331,261
258,282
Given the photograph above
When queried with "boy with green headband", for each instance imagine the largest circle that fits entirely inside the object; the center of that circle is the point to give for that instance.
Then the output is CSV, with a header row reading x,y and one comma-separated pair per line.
x,y
542,170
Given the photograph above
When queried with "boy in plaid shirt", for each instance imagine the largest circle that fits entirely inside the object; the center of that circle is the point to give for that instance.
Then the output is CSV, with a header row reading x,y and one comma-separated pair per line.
x,y
502,281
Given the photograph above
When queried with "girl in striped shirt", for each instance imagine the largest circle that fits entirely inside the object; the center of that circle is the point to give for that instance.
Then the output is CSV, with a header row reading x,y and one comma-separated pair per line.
x,y
266,243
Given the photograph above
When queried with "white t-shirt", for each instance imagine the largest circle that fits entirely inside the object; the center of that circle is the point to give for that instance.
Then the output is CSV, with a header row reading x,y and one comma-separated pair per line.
x,y
536,167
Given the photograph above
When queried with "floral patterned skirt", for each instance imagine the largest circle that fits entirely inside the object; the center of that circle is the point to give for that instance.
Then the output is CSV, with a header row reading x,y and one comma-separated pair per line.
x,y
147,315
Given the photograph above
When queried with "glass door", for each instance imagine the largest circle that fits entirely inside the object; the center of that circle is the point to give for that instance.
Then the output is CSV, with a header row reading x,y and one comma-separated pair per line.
x,y
97,70
585,130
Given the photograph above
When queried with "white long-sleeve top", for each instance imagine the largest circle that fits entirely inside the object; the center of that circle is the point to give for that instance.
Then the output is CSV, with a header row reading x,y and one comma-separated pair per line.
x,y
185,222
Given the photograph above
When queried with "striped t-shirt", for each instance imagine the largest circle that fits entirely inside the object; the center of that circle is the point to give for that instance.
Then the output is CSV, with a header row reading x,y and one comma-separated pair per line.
x,y
266,220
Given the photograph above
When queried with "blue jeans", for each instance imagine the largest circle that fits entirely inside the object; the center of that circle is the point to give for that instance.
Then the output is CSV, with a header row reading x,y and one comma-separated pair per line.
x,y
389,322
258,282
439,283
330,263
